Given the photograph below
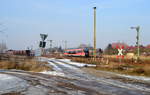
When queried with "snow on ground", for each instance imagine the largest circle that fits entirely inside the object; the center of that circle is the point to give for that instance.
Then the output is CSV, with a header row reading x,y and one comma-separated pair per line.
x,y
77,63
66,61
142,78
57,71
54,73
136,77
83,65
55,67
10,83
64,64
42,59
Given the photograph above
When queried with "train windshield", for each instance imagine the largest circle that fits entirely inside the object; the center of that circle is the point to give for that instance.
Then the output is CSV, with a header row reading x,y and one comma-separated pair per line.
x,y
86,50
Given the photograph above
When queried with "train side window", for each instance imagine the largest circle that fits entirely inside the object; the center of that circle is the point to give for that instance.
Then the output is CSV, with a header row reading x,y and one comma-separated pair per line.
x,y
86,50
79,51
66,51
73,52
70,52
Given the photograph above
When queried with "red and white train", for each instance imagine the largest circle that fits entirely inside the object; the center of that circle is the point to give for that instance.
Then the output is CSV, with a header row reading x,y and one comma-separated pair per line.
x,y
74,52
77,52
85,52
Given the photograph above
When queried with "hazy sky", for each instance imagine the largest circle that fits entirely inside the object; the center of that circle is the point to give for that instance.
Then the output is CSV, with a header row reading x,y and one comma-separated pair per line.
x,y
72,20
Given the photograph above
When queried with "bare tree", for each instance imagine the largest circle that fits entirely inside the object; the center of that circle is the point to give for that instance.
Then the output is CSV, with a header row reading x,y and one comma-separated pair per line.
x,y
3,47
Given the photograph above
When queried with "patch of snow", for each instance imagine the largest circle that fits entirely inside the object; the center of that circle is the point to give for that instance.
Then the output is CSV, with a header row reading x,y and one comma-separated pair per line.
x,y
66,60
42,59
136,77
10,83
65,65
142,78
2,70
55,67
77,63
54,73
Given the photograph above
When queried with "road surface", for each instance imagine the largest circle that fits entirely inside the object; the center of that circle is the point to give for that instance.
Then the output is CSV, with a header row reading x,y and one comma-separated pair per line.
x,y
71,78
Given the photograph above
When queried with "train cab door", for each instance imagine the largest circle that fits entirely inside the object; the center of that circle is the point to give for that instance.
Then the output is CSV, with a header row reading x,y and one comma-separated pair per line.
x,y
86,51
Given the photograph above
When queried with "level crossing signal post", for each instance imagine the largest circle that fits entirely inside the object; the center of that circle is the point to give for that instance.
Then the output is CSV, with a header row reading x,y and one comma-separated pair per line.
x,y
137,43
42,44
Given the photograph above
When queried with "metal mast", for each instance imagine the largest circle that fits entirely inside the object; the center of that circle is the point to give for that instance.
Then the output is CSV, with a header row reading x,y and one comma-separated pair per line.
x,y
94,31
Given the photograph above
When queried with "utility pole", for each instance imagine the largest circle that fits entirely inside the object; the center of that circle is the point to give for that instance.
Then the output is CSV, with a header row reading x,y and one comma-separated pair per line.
x,y
50,45
94,32
137,43
3,46
65,44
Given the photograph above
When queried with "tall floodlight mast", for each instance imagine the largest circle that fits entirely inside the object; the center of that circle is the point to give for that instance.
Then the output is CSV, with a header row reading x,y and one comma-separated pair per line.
x,y
94,32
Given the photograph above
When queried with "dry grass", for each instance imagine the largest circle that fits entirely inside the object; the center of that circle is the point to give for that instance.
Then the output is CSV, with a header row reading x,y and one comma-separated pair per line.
x,y
143,59
128,66
27,65
13,93
142,69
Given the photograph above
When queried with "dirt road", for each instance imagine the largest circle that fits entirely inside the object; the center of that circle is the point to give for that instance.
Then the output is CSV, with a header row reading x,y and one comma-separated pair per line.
x,y
71,78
